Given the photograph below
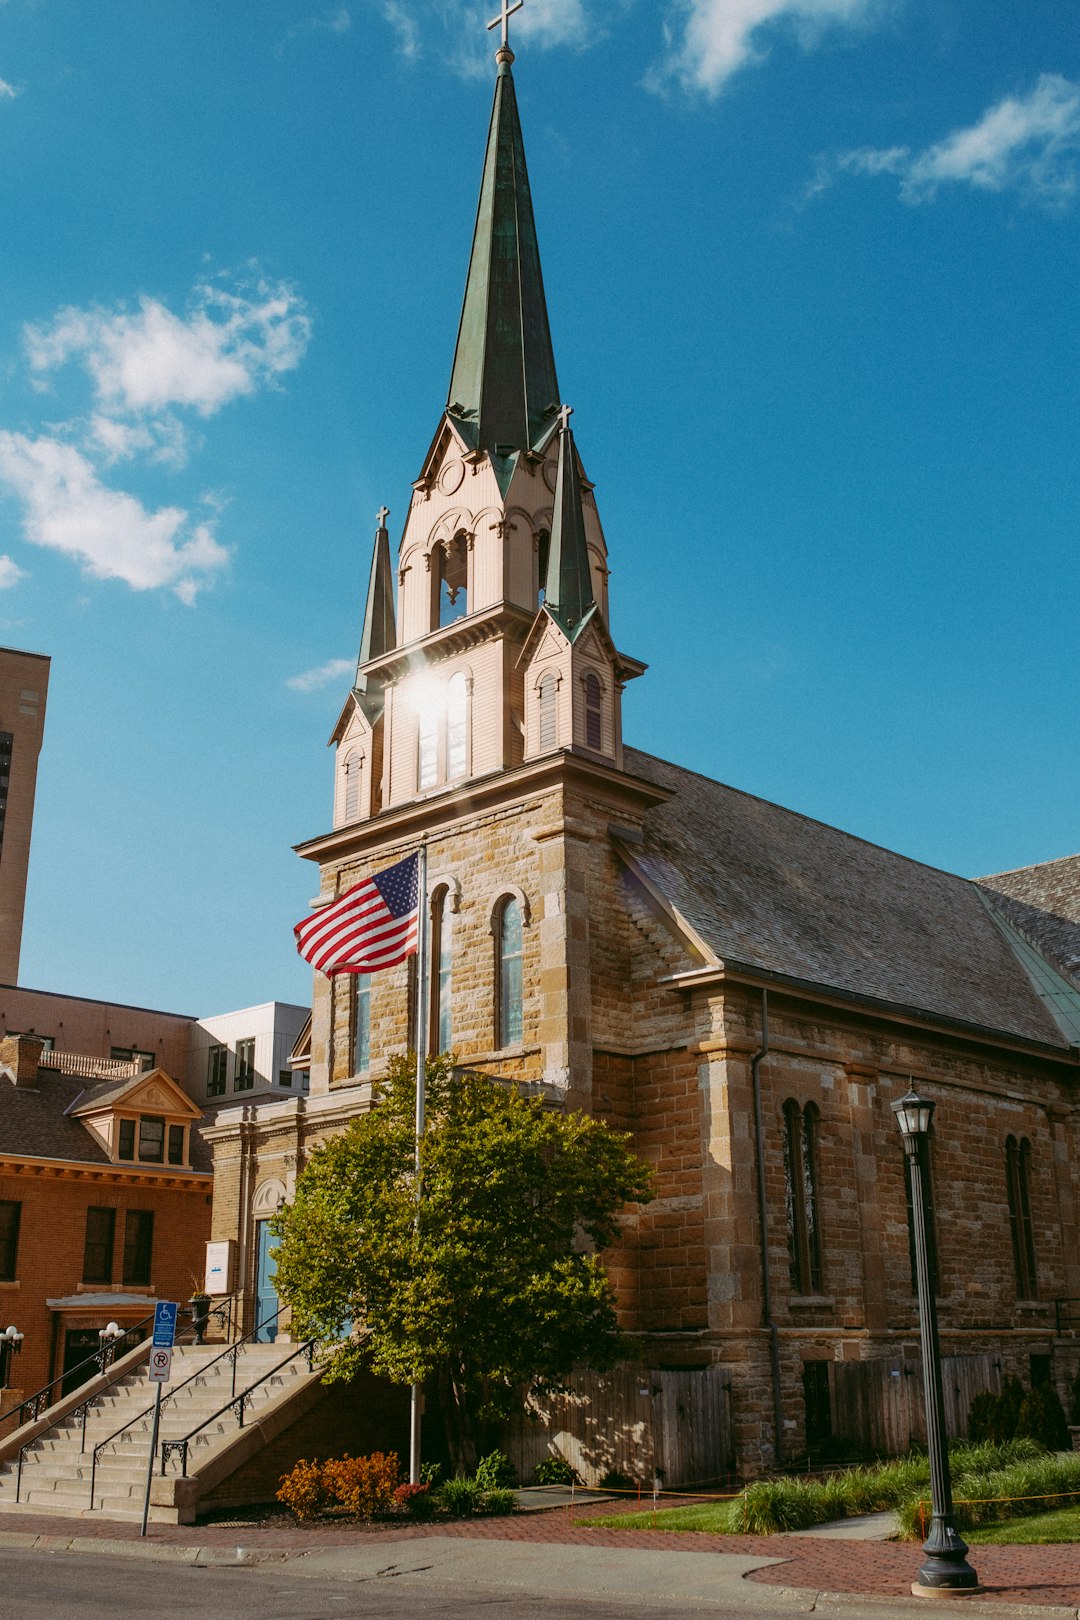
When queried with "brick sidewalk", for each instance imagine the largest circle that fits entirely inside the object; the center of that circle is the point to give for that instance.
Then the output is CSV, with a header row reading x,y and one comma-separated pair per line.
x,y
1047,1575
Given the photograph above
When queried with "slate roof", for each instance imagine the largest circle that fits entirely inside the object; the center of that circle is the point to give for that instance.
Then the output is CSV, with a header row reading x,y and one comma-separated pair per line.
x,y
771,889
1044,903
34,1123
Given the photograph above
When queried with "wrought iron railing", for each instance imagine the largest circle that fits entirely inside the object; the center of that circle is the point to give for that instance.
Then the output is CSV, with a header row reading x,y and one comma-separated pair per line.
x,y
232,1352
32,1406
238,1406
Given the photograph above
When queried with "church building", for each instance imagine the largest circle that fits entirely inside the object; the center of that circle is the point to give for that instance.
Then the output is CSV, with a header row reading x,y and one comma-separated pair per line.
x,y
742,989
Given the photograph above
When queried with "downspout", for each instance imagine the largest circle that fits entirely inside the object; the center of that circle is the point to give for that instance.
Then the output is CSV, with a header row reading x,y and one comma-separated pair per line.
x,y
763,1232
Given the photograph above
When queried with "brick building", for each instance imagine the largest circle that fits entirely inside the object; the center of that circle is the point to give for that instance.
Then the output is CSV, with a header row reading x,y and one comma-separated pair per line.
x,y
24,688
744,990
105,1192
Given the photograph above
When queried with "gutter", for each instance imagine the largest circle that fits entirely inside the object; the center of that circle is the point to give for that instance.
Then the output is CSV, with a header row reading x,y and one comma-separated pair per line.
x,y
763,1231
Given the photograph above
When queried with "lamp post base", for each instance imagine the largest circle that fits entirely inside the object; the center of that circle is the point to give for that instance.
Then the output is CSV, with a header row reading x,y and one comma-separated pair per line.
x,y
946,1571
919,1590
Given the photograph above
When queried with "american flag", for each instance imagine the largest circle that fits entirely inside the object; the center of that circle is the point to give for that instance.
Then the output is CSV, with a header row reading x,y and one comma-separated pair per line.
x,y
372,926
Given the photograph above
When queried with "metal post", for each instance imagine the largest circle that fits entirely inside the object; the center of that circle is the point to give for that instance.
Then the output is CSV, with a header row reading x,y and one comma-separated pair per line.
x,y
416,1398
946,1568
150,1459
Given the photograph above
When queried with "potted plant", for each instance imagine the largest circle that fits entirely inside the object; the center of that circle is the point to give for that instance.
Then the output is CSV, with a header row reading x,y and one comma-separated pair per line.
x,y
199,1306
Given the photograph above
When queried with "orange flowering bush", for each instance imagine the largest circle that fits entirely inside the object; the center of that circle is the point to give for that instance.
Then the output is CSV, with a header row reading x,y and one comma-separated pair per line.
x,y
302,1490
364,1486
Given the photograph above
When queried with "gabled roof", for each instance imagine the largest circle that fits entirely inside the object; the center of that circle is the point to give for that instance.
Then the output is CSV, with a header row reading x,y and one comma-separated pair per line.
x,y
769,889
1044,903
503,389
568,589
154,1091
38,1122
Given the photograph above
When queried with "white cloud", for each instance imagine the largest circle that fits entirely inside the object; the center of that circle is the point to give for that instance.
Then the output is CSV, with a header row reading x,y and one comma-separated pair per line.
x,y
556,22
312,679
10,573
710,40
163,439
150,359
8,91
110,533
1029,144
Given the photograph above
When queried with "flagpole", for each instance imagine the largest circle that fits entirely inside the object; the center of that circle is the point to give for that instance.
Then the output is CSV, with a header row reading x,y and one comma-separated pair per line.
x,y
416,1394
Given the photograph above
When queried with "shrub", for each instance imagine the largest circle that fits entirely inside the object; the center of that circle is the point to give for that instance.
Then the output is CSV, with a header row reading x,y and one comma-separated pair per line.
x,y
302,1490
416,1500
615,1480
983,1416
1074,1397
555,1471
995,1417
498,1501
1042,1418
363,1485
430,1473
460,1497
495,1472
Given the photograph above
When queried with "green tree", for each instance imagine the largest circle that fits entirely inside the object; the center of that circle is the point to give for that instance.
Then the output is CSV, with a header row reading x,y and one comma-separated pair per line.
x,y
488,1282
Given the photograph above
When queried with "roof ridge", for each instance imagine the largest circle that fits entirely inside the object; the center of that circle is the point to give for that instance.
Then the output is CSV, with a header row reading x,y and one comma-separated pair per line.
x,y
1035,866
814,821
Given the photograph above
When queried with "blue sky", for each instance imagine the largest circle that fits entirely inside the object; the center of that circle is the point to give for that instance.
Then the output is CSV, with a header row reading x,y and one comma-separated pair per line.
x,y
812,272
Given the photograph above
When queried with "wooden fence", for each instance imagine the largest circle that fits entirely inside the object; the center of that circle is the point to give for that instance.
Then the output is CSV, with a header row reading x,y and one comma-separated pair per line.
x,y
637,1420
878,1405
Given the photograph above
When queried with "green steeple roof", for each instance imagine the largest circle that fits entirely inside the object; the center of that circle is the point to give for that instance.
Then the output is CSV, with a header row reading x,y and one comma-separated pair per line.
x,y
568,592
503,390
380,633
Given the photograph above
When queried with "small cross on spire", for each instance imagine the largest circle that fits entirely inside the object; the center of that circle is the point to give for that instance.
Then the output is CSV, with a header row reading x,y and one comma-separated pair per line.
x,y
504,17
565,413
382,514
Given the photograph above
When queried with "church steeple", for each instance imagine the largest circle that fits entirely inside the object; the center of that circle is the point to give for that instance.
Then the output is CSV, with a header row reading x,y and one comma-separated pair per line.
x,y
568,596
379,633
503,390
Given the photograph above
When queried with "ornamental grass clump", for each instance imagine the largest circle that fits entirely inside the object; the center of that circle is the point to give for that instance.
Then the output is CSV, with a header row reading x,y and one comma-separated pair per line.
x,y
1027,1485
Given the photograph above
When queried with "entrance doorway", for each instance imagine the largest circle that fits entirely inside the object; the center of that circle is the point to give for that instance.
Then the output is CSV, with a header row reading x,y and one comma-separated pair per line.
x,y
266,1299
79,1343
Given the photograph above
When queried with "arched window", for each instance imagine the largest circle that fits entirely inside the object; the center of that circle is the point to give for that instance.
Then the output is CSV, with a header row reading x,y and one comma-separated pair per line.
x,y
427,770
452,561
543,550
442,948
511,950
594,714
361,1023
352,786
549,711
800,1193
457,727
1017,1177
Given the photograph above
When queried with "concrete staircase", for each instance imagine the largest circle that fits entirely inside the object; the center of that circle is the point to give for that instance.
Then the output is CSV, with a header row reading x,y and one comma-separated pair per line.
x,y
57,1467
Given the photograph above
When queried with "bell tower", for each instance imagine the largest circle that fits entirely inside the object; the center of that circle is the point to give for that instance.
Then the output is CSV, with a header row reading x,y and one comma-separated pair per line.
x,y
499,649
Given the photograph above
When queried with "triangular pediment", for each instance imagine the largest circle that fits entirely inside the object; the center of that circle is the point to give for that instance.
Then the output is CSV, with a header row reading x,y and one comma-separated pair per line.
x,y
301,1052
152,1093
354,721
547,635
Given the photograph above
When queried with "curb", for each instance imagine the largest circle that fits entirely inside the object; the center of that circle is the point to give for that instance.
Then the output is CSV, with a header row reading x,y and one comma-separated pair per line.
x,y
809,1598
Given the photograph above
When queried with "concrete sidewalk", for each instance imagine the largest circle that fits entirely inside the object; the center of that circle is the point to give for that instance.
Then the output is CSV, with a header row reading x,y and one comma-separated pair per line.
x,y
548,1553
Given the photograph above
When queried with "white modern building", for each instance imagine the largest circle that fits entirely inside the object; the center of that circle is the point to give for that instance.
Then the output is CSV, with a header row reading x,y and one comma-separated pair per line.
x,y
249,1052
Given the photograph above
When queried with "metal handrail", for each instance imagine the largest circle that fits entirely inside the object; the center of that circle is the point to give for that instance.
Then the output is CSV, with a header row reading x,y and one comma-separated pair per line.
x,y
239,1405
76,1412
200,1373
104,1358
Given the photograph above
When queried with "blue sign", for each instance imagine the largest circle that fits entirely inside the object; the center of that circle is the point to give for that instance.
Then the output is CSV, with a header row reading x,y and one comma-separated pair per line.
x,y
164,1324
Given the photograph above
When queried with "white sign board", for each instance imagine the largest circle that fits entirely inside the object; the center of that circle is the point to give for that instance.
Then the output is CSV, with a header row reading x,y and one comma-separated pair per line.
x,y
160,1365
219,1268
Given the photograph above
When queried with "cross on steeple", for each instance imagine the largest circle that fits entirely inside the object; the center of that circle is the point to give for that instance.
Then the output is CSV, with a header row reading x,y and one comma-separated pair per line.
x,y
382,514
504,17
565,413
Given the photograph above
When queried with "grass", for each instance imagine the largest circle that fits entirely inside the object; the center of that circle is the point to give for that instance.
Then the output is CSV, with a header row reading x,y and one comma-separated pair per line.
x,y
999,1473
1042,1529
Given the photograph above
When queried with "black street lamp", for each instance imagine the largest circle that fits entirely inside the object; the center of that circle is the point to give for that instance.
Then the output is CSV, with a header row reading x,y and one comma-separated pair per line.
x,y
10,1344
946,1568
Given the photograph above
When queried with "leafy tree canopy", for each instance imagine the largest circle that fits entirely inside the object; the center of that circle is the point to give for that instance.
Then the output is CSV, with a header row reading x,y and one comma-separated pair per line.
x,y
490,1281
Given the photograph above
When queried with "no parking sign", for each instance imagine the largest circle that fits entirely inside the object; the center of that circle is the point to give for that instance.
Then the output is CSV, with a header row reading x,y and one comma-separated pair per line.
x,y
160,1365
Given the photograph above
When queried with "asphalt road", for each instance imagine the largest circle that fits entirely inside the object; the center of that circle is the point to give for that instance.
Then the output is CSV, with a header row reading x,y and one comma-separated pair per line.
x,y
56,1586
468,1583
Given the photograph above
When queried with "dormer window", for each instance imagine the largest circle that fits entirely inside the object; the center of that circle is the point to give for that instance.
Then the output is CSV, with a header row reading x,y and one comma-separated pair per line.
x,y
151,1139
